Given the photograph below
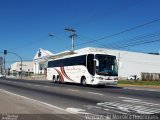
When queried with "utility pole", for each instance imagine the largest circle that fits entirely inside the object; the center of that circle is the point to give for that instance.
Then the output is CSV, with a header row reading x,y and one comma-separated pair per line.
x,y
72,36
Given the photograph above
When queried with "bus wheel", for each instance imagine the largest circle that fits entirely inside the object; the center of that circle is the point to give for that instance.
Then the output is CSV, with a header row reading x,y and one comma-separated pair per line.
x,y
54,79
83,81
58,80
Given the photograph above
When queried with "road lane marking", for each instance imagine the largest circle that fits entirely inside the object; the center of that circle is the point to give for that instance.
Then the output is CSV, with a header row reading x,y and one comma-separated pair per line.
x,y
129,98
109,108
142,103
154,90
28,84
77,110
116,111
95,93
138,101
8,81
72,90
36,85
141,109
15,82
46,86
141,89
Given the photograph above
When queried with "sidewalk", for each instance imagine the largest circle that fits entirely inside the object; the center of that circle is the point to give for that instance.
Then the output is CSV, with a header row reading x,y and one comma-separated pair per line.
x,y
16,107
14,104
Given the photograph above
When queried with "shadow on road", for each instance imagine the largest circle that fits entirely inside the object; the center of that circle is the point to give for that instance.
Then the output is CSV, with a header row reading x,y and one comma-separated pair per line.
x,y
89,86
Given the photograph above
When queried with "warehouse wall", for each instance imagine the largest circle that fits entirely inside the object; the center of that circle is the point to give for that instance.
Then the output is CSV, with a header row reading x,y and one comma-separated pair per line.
x,y
134,63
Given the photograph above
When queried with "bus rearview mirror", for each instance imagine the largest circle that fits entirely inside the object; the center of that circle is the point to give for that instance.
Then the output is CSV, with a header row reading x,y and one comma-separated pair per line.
x,y
97,62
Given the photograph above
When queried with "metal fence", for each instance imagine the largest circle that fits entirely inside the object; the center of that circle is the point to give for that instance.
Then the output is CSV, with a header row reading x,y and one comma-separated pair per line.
x,y
150,76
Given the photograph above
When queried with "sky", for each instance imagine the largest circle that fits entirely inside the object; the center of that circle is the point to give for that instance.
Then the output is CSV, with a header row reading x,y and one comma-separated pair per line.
x,y
25,25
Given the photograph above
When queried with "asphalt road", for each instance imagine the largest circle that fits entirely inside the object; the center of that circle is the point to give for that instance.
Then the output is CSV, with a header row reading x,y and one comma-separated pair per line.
x,y
76,99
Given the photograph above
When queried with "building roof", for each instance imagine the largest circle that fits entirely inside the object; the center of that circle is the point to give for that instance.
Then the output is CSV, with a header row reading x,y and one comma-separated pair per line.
x,y
42,54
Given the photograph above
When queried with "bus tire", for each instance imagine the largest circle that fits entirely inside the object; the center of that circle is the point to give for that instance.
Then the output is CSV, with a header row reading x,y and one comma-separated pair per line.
x,y
58,79
83,81
54,79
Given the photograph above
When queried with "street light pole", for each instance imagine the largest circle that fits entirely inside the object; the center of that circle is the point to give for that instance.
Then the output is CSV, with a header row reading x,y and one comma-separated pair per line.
x,y
20,58
4,65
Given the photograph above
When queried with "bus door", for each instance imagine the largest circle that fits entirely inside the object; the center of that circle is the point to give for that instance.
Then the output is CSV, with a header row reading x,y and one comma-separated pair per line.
x,y
90,64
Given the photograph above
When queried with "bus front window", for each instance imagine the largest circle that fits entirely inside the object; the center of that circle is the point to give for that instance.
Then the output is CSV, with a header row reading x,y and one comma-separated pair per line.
x,y
107,65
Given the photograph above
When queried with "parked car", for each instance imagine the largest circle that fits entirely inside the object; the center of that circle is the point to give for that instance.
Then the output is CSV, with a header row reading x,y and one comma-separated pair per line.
x,y
133,77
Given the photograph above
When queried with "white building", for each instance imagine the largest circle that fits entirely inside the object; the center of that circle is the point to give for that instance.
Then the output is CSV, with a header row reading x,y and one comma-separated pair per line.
x,y
130,63
27,67
40,61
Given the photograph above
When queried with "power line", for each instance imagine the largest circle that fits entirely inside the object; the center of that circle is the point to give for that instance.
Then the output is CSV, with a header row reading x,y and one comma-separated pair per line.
x,y
121,32
19,61
143,41
140,43
138,39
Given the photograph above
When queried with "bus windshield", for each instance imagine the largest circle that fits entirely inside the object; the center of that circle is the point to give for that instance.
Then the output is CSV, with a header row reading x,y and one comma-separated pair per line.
x,y
107,65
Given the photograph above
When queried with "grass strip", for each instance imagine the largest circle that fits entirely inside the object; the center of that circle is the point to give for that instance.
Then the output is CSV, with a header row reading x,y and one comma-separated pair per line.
x,y
132,82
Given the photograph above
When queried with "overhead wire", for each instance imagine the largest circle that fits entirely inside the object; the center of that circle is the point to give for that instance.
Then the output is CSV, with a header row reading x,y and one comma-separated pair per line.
x,y
26,45
121,32
18,61
132,41
140,43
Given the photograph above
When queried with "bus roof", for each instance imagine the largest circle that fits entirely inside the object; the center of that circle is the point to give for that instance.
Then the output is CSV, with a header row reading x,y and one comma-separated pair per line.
x,y
85,51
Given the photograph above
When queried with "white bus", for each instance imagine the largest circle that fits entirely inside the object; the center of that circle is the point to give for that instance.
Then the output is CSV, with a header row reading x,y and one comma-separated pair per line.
x,y
92,69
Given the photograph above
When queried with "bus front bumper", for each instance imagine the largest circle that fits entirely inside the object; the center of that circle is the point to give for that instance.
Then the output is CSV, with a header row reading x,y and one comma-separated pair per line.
x,y
105,82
